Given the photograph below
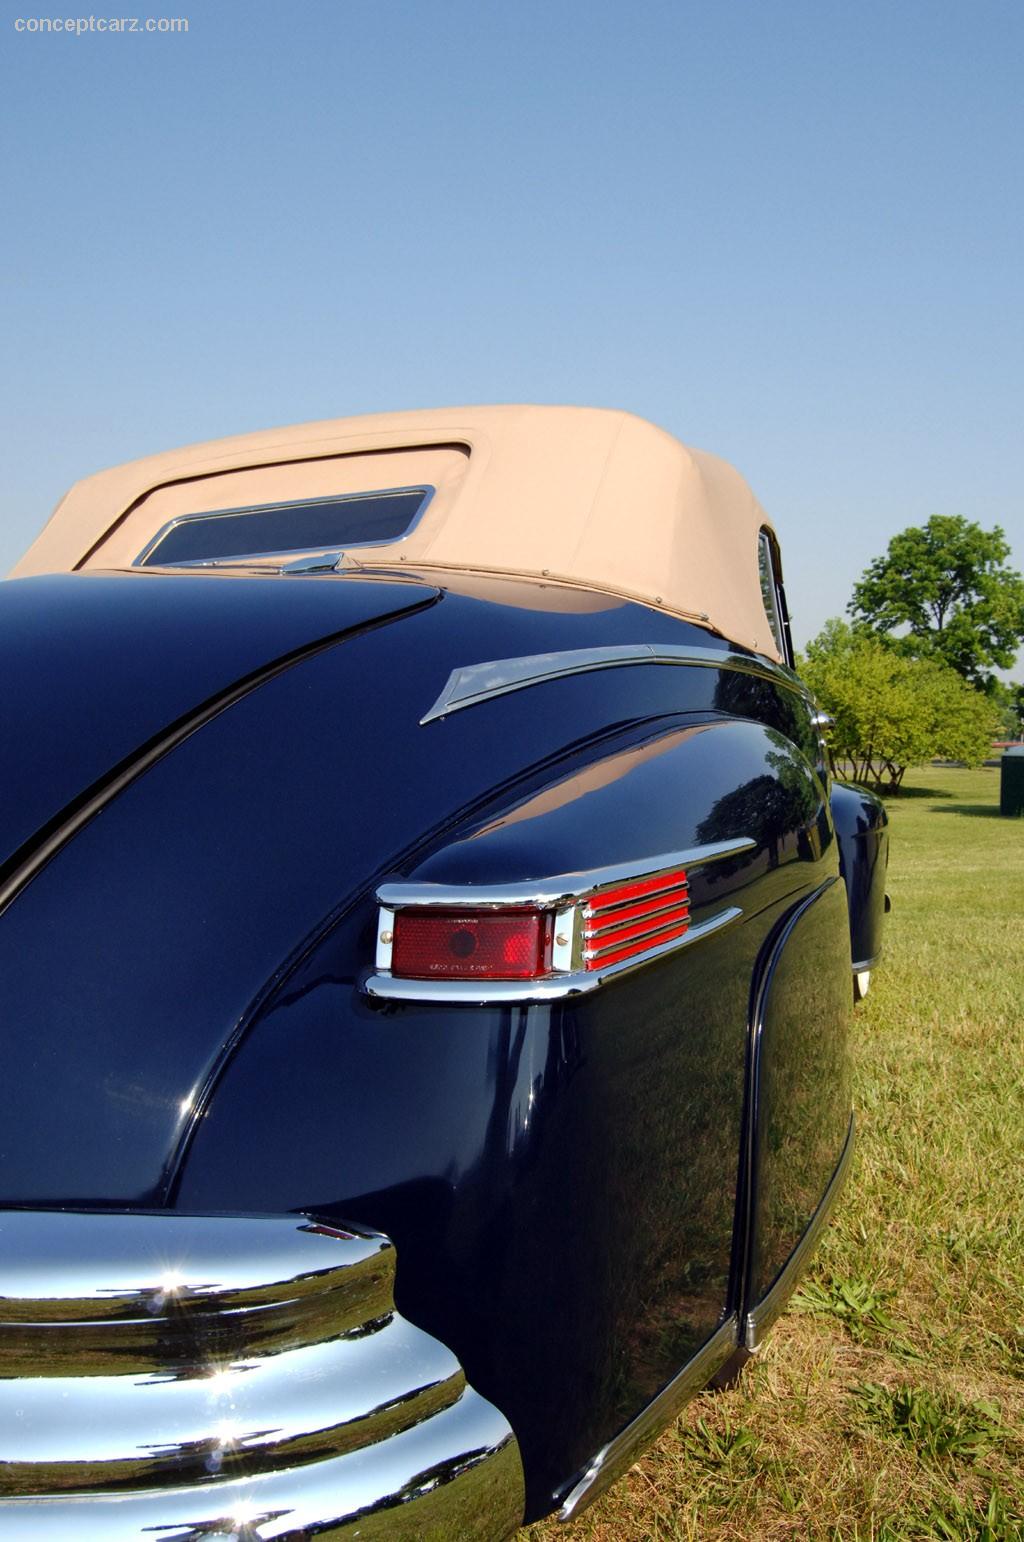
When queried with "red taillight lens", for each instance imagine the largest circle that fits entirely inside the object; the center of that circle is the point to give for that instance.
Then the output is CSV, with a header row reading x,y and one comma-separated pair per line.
x,y
471,945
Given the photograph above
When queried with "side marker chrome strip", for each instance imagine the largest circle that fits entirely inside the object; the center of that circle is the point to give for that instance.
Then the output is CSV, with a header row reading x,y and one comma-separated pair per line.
x,y
760,1318
613,1459
474,683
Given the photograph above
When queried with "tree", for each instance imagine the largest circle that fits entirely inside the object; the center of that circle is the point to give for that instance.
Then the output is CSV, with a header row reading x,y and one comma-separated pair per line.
x,y
1008,700
891,711
949,584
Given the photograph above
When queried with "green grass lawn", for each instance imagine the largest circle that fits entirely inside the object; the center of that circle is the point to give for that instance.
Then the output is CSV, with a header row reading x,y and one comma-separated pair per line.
x,y
888,1403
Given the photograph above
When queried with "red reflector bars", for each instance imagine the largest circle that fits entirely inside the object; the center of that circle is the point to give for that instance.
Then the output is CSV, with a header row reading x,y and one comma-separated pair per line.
x,y
646,888
632,918
468,945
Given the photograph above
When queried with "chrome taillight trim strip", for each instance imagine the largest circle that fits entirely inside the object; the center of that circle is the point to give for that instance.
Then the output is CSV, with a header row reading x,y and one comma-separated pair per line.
x,y
563,888
554,987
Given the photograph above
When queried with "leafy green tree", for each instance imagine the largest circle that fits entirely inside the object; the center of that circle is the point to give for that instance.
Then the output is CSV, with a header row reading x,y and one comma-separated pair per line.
x,y
891,711
948,583
1017,692
1009,702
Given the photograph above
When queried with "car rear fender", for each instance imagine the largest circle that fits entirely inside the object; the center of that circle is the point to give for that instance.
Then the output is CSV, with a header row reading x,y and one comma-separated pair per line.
x,y
862,829
538,1160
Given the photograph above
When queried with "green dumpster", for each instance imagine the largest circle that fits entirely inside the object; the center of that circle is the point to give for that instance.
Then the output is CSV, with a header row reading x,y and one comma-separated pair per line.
x,y
1011,781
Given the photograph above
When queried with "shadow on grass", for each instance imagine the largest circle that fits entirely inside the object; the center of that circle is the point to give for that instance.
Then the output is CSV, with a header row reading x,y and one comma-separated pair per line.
x,y
904,794
901,794
975,810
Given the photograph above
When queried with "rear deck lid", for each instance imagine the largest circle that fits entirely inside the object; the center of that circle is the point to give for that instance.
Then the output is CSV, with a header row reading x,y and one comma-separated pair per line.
x,y
98,669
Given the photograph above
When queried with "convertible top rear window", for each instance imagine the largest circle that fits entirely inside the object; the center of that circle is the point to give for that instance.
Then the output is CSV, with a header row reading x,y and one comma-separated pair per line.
x,y
363,519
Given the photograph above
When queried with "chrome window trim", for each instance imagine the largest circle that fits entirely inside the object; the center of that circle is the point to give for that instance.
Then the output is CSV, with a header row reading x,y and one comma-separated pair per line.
x,y
471,684
769,587
760,1318
613,1459
425,488
567,894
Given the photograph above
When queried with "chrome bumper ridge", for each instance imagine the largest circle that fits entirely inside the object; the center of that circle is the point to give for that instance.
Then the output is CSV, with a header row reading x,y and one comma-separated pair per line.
x,y
185,1379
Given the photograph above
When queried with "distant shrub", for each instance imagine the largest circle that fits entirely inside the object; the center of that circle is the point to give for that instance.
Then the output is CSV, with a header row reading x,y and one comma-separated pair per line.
x,y
891,711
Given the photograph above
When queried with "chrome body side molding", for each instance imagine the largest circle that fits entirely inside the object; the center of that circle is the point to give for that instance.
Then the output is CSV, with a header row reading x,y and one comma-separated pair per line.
x,y
474,683
613,1459
579,937
760,1318
209,1376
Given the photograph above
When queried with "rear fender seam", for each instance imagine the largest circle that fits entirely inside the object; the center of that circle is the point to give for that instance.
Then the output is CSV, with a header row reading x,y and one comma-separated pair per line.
x,y
746,1189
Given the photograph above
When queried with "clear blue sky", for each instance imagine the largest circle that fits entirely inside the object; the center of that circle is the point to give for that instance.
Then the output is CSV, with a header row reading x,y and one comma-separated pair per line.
x,y
792,233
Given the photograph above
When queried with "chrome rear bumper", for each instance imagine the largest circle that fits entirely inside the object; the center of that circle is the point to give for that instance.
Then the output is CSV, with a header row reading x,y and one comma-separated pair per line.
x,y
182,1378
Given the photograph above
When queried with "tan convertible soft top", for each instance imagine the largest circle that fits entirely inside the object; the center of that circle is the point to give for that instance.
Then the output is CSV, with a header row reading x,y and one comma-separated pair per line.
x,y
575,495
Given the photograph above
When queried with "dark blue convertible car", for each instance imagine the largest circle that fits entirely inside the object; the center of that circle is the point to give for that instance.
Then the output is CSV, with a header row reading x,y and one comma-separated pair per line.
x,y
429,940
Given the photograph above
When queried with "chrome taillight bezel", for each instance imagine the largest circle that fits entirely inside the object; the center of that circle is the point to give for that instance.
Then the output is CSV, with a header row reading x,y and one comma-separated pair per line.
x,y
574,900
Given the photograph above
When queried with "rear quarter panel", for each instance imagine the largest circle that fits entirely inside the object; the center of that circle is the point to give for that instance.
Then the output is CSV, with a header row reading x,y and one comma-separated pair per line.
x,y
561,1180
568,1185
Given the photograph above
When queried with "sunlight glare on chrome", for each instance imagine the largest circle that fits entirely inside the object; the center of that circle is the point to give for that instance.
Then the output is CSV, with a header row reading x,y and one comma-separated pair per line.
x,y
220,1381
